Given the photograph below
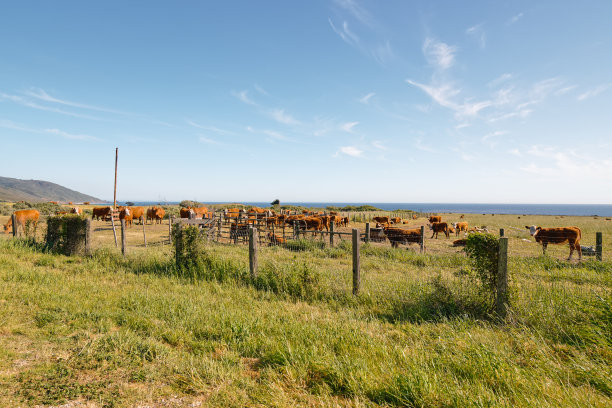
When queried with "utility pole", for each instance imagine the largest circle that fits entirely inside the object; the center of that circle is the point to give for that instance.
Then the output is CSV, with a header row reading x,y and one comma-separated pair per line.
x,y
115,194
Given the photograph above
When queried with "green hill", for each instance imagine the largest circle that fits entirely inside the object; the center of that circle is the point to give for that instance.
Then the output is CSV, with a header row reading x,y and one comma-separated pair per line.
x,y
12,189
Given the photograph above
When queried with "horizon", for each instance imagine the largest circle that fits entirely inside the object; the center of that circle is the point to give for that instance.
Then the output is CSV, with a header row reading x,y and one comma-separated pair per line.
x,y
329,101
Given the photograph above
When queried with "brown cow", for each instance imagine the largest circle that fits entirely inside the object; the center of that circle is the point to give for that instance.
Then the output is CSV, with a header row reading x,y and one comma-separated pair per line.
x,y
239,231
138,213
200,212
382,220
103,212
396,220
435,218
275,239
345,221
325,221
559,235
156,214
186,212
22,217
126,215
460,226
399,235
76,210
437,227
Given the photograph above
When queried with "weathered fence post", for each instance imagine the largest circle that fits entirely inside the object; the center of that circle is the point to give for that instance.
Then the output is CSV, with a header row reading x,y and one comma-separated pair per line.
x,y
252,252
367,232
356,263
123,243
144,234
422,238
114,229
331,233
178,244
87,236
14,221
501,232
170,218
501,298
599,246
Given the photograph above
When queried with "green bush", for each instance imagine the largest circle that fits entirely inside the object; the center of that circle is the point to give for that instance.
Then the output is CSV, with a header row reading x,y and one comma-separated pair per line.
x,y
66,234
43,208
189,203
483,253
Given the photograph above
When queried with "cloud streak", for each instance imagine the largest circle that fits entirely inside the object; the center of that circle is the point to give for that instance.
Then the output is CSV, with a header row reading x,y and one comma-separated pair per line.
x,y
439,54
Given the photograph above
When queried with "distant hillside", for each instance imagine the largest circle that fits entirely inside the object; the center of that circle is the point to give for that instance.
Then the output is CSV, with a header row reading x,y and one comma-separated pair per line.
x,y
36,190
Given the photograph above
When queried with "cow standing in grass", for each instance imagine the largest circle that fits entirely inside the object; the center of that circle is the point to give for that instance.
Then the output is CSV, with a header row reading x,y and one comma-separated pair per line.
x,y
23,217
559,235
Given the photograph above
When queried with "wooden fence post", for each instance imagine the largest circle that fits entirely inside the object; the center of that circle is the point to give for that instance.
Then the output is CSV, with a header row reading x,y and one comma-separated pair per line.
x,y
14,221
331,233
501,298
599,246
170,218
252,252
114,229
87,236
123,241
367,232
501,232
422,238
178,244
144,234
356,262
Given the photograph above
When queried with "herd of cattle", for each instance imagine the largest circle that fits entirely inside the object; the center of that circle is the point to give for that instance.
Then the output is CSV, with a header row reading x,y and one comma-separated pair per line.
x,y
240,220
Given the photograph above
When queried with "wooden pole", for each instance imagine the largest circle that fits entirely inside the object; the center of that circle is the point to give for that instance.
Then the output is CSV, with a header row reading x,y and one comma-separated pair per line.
x,y
367,232
356,262
14,221
501,232
87,236
170,218
114,229
501,298
422,238
599,246
178,245
144,234
252,252
331,233
123,240
115,193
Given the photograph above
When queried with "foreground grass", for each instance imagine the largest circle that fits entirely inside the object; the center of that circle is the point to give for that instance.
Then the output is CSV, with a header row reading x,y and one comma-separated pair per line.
x,y
115,332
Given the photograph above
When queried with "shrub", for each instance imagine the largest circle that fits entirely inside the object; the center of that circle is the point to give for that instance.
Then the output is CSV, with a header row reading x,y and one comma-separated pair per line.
x,y
189,203
483,253
66,234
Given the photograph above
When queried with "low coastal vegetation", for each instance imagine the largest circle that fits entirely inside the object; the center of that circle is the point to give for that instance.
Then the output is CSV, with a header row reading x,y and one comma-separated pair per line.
x,y
139,330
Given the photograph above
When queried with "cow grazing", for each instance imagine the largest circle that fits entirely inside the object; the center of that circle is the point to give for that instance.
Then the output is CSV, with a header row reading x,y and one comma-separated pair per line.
x,y
156,214
103,212
558,235
22,217
275,239
345,221
437,227
435,218
382,220
126,215
399,235
460,226
396,220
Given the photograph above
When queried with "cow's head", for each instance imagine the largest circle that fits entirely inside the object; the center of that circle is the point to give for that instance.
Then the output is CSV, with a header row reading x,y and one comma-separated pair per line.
x,y
533,230
454,224
127,211
8,225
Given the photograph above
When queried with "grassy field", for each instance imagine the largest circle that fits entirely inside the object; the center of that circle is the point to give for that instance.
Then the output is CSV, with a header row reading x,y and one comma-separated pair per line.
x,y
134,331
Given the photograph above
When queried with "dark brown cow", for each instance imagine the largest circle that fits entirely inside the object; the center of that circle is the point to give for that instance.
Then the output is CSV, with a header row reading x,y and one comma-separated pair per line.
x,y
345,221
382,220
186,212
156,214
558,235
399,235
437,227
396,220
325,221
103,212
22,217
275,239
435,218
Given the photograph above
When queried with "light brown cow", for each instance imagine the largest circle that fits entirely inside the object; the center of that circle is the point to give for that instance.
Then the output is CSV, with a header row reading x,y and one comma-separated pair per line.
x,y
382,220
156,214
76,210
138,213
201,212
558,235
460,226
396,220
435,218
22,217
126,215
437,227
275,239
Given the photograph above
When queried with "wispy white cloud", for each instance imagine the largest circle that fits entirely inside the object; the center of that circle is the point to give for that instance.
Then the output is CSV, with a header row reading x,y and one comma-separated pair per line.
x,y
208,140
31,104
492,138
348,126
418,144
347,35
71,136
556,164
515,152
280,116
594,92
7,124
350,151
210,128
260,90
500,80
357,11
479,34
379,145
366,98
514,18
383,53
445,95
439,54
42,95
243,96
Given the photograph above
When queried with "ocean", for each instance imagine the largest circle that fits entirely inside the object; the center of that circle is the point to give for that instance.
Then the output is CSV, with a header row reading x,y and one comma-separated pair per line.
x,y
602,210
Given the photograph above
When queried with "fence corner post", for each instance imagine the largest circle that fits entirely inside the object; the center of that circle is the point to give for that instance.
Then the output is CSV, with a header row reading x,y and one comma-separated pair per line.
x,y
87,237
356,262
123,240
252,252
422,238
501,298
502,233
599,246
367,232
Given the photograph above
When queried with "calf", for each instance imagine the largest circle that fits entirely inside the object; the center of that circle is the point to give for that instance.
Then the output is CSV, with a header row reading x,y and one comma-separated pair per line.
x,y
559,235
460,226
437,227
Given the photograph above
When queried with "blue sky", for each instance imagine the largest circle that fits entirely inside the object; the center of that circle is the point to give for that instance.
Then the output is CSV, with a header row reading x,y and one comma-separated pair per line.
x,y
333,101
